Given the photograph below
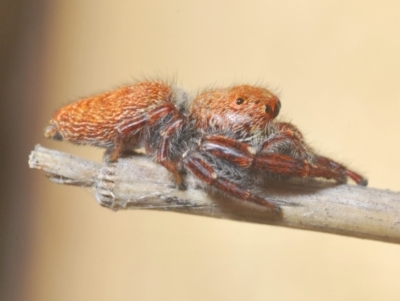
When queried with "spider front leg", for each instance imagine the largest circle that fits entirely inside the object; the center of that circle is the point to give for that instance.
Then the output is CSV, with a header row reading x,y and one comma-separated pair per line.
x,y
244,156
274,159
205,172
320,165
329,169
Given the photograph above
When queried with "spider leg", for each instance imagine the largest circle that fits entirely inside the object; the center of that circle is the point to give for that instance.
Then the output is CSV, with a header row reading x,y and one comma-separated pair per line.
x,y
329,169
269,160
163,153
128,128
289,140
205,172
133,126
243,155
320,166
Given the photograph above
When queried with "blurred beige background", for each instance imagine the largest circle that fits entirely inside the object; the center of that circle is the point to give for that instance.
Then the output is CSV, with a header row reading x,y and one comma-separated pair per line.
x,y
336,67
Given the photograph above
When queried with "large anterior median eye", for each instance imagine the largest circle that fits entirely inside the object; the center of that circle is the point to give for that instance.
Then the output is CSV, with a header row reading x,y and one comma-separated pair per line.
x,y
277,108
268,109
239,101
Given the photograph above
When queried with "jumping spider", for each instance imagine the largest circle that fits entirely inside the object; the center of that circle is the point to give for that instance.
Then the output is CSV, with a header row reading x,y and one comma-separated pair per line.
x,y
224,137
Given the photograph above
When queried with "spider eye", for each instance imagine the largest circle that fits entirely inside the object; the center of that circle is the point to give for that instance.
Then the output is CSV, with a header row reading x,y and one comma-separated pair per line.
x,y
239,101
268,109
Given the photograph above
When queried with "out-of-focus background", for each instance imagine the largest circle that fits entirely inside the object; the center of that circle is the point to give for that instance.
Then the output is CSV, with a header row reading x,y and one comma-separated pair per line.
x,y
336,67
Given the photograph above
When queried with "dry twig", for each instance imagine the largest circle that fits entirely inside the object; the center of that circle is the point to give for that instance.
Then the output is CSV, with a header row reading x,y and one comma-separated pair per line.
x,y
138,183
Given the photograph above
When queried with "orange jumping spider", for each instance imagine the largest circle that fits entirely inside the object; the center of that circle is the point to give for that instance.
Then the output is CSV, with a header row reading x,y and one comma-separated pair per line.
x,y
225,137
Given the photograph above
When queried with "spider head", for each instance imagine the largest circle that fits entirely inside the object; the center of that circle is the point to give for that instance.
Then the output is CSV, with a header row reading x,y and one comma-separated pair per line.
x,y
255,101
242,110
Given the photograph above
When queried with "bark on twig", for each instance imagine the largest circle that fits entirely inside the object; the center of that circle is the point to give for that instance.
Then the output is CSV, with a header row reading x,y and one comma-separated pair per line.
x,y
138,183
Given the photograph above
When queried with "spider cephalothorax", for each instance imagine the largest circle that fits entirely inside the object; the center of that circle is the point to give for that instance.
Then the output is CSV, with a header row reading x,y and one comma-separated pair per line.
x,y
241,110
223,137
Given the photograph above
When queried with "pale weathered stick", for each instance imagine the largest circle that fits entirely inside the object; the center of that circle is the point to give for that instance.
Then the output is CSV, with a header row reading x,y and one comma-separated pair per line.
x,y
138,183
